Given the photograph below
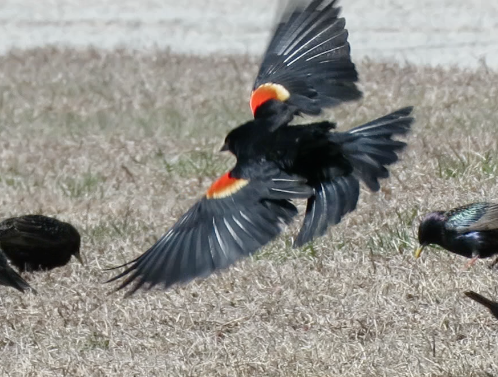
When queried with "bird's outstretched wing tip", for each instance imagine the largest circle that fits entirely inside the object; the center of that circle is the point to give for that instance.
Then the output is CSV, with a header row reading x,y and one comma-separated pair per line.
x,y
307,62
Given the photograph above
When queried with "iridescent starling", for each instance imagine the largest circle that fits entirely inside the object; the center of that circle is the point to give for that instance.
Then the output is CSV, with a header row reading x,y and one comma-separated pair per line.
x,y
36,242
470,231
491,305
10,278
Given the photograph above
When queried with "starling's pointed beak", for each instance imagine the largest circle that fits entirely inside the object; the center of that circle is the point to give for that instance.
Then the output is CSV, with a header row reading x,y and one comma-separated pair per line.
x,y
224,148
419,251
79,257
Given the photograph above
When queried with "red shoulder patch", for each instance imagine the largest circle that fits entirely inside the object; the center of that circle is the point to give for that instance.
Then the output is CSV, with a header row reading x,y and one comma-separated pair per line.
x,y
267,92
225,186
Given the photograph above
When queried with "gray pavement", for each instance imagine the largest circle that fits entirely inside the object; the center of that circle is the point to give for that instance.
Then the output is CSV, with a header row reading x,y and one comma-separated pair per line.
x,y
446,32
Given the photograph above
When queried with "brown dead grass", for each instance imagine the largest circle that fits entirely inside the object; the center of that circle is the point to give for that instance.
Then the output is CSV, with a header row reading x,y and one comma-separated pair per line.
x,y
121,143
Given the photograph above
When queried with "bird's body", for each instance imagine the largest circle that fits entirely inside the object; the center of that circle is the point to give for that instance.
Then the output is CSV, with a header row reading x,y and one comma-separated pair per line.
x,y
36,242
244,209
306,68
332,163
10,278
470,231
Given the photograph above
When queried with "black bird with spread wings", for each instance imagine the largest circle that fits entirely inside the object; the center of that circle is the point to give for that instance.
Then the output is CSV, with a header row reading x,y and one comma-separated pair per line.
x,y
36,242
307,67
10,278
470,231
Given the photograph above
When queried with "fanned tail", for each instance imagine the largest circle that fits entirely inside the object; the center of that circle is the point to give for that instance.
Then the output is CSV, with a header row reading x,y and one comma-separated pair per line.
x,y
367,149
370,147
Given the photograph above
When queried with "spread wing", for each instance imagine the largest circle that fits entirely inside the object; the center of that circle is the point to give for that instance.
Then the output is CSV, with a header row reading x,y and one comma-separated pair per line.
x,y
234,219
307,63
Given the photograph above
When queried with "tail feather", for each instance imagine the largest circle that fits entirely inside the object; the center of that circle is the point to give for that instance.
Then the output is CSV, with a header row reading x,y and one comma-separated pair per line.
x,y
370,147
394,122
368,150
309,56
332,200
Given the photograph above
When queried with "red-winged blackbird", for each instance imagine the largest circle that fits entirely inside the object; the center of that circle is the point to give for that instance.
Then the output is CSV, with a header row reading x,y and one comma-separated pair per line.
x,y
11,278
491,305
307,67
36,242
470,231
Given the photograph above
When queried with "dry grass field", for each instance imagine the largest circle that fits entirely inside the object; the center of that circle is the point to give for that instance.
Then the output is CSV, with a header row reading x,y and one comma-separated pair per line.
x,y
121,143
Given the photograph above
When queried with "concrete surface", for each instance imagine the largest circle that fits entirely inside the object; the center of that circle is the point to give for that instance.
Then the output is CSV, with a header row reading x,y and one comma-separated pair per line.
x,y
431,32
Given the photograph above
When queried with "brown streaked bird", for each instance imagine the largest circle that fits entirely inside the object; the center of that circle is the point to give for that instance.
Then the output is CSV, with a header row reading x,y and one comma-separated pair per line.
x,y
491,305
36,242
306,68
470,231
10,278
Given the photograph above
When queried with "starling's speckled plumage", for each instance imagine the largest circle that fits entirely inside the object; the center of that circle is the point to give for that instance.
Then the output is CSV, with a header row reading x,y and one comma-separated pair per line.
x,y
36,242
470,231
10,278
491,305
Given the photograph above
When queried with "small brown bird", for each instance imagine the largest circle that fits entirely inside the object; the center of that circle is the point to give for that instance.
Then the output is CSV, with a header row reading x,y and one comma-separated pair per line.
x,y
491,305
10,278
36,242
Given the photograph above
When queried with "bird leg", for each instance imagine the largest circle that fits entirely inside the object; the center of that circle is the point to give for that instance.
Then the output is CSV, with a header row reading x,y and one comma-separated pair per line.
x,y
471,262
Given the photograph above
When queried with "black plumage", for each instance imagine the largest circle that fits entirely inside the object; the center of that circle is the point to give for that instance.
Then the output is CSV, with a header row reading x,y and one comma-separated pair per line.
x,y
10,278
243,210
332,163
491,305
470,231
307,67
36,242
308,60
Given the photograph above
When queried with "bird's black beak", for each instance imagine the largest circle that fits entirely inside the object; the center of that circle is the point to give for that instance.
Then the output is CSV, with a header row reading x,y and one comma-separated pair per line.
x,y
224,148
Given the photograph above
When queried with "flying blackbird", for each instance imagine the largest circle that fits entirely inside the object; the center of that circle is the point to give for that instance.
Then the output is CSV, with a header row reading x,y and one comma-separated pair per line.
x,y
470,231
36,242
11,278
491,305
306,68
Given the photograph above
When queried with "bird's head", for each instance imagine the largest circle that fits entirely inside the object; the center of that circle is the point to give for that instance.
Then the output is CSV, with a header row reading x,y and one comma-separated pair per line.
x,y
430,231
238,139
252,135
